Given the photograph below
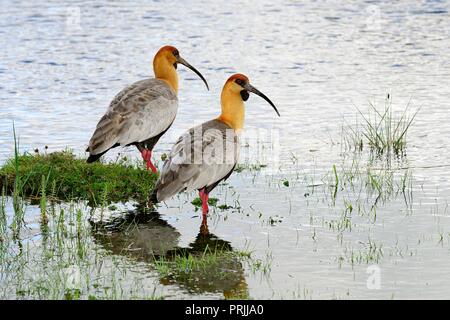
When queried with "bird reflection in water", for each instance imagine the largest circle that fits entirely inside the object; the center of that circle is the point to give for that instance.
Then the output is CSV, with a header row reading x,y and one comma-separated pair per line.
x,y
207,265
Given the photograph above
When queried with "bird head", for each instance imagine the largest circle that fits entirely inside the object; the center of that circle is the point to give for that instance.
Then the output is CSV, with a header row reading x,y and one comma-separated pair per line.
x,y
165,64
239,83
235,91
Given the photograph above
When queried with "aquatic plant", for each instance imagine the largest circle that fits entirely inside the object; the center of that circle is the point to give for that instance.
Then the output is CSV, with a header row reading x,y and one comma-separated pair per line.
x,y
216,268
383,131
65,262
197,202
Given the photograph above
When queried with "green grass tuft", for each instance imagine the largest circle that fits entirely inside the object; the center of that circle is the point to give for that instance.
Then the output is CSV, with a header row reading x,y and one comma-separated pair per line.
x,y
62,176
197,202
383,131
211,270
249,167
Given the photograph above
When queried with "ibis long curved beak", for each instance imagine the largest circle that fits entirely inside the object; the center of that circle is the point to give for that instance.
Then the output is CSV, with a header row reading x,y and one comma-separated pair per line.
x,y
252,89
185,63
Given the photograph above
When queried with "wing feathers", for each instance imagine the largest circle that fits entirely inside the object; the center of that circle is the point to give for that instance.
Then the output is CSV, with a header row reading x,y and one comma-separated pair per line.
x,y
198,161
137,113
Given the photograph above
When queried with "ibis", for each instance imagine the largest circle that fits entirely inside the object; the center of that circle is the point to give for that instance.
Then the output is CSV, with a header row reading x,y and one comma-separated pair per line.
x,y
142,112
207,154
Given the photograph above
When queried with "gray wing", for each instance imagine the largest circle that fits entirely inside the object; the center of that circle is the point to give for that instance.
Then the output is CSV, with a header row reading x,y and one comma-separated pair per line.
x,y
201,157
137,113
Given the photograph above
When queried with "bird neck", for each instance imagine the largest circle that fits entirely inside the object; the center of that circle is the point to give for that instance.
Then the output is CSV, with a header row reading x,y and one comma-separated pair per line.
x,y
166,72
233,110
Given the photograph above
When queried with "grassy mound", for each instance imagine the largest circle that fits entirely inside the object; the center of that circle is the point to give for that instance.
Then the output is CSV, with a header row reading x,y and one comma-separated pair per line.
x,y
60,175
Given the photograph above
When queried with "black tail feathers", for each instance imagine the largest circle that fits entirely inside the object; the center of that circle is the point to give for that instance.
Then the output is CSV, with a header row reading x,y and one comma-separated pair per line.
x,y
93,157
153,197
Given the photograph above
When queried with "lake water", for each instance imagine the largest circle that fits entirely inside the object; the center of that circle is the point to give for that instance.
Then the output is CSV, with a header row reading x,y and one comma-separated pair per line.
x,y
61,65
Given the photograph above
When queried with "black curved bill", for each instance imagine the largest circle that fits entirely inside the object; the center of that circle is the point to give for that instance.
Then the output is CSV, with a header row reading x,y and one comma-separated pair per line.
x,y
185,63
251,88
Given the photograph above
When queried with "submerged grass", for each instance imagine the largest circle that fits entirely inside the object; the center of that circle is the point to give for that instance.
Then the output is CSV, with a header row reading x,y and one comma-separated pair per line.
x,y
373,171
382,130
190,265
64,261
249,167
62,176
212,270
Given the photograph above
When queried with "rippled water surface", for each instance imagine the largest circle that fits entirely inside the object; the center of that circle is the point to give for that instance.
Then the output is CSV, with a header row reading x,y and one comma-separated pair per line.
x,y
60,66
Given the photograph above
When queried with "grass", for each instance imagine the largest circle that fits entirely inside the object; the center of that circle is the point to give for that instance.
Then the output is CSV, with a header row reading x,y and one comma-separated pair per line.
x,y
264,265
213,269
249,167
381,183
370,252
185,264
19,211
62,176
364,182
211,265
382,130
197,202
69,258
64,261
40,271
213,202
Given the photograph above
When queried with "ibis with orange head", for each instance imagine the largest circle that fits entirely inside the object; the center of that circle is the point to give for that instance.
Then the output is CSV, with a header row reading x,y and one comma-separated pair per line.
x,y
142,112
207,154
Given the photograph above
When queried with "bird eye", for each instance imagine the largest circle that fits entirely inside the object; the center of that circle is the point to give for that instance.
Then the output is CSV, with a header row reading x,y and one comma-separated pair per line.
x,y
240,82
176,53
244,95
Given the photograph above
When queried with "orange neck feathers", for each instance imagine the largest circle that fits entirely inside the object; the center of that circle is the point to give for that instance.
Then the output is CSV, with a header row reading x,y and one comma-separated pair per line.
x,y
233,110
163,66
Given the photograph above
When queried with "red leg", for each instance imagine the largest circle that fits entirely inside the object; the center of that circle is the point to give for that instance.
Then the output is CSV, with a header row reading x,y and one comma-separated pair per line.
x,y
147,156
204,197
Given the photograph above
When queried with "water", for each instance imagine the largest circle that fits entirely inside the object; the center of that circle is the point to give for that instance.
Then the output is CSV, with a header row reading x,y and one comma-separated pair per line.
x,y
316,61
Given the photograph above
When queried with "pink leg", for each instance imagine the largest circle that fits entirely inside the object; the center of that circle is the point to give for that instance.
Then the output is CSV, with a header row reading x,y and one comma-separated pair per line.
x,y
204,227
147,156
204,197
